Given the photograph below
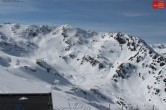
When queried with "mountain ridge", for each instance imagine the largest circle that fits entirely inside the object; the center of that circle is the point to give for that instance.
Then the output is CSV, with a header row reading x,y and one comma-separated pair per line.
x,y
97,69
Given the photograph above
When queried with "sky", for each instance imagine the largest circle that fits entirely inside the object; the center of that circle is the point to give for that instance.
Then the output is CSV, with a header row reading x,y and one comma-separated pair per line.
x,y
134,17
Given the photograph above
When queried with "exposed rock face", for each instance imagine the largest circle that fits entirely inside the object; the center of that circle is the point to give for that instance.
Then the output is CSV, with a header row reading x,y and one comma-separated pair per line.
x,y
95,68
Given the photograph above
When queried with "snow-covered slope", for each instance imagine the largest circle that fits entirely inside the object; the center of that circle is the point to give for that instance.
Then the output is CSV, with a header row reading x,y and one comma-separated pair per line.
x,y
160,48
83,69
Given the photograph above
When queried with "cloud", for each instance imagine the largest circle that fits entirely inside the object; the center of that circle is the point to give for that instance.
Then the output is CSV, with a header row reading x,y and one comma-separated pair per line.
x,y
134,14
11,10
17,7
90,0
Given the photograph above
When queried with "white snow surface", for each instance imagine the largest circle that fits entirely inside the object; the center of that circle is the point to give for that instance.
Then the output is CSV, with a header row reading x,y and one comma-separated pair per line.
x,y
84,70
160,48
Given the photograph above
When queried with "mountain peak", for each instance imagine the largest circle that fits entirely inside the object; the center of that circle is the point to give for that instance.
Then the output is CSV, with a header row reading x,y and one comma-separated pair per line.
x,y
95,68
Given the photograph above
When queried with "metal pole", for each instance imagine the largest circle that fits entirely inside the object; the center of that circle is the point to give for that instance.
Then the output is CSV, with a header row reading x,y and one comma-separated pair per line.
x,y
137,107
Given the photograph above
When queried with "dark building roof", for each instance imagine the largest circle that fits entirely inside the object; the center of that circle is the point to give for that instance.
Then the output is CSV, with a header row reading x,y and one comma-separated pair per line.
x,y
41,101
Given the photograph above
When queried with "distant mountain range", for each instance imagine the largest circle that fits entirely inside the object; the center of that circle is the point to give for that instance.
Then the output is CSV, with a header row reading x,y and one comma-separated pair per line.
x,y
83,69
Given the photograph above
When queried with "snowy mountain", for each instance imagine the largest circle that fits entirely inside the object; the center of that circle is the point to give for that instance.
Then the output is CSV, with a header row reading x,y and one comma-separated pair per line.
x,y
160,48
84,70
